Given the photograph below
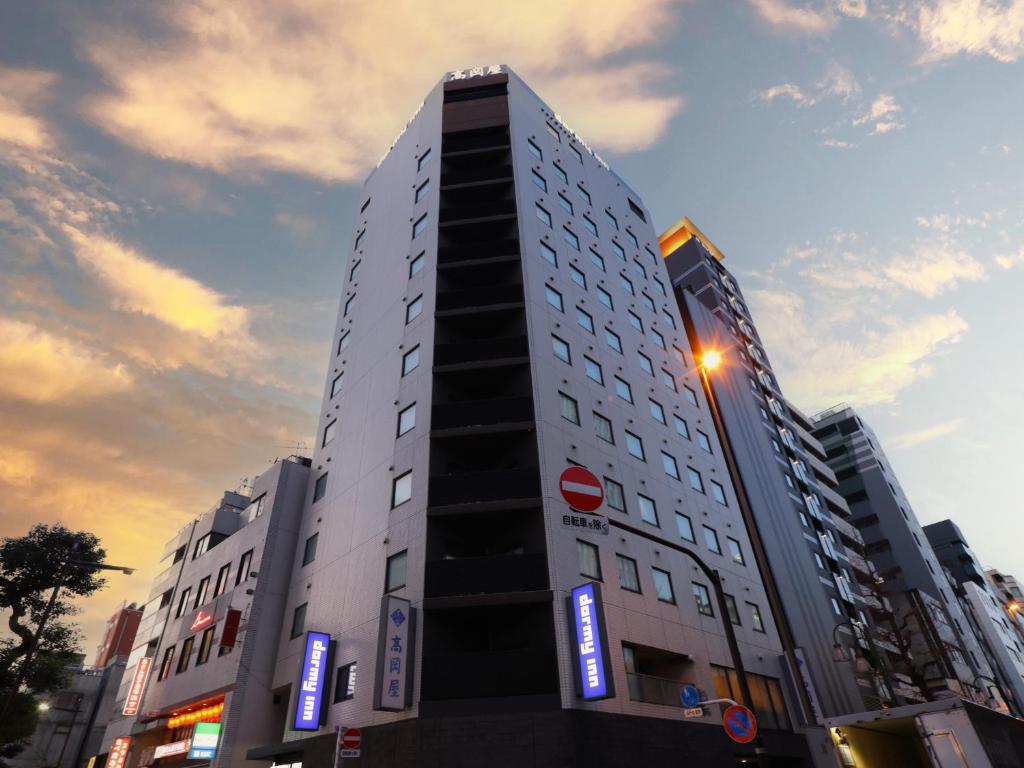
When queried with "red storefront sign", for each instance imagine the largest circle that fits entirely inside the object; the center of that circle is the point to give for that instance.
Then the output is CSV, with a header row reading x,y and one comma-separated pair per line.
x,y
202,621
230,633
138,687
119,752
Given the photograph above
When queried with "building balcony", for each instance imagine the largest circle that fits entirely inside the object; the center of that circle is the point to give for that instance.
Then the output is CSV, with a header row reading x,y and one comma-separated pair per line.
x,y
476,251
477,352
483,296
487,674
477,413
470,212
486,575
654,690
500,485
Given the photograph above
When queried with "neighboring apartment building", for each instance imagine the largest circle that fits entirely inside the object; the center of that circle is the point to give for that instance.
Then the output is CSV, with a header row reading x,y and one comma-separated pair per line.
x,y
206,645
825,589
505,315
119,639
946,656
986,608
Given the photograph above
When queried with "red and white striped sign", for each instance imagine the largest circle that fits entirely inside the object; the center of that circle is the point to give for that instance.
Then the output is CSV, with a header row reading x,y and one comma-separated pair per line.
x,y
352,738
134,698
581,489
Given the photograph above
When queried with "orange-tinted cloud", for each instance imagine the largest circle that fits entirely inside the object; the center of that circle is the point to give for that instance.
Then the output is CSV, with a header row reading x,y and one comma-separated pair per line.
x,y
20,88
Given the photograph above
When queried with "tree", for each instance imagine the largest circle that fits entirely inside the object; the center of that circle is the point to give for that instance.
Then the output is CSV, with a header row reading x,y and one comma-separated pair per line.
x,y
32,567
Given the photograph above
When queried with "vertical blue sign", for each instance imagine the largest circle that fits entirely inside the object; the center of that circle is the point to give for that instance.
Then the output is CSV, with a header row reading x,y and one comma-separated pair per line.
x,y
593,669
312,681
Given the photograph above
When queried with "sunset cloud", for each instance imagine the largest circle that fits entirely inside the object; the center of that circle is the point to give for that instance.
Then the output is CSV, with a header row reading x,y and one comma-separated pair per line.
x,y
796,19
303,88
919,436
993,28
20,91
788,91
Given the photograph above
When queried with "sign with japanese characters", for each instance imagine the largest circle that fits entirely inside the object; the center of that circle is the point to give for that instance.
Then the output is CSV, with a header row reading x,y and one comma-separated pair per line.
x,y
586,622
395,655
119,752
313,677
138,686
592,523
465,74
204,741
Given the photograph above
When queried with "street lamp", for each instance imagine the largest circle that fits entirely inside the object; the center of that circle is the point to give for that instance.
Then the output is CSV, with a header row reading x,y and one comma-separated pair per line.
x,y
711,359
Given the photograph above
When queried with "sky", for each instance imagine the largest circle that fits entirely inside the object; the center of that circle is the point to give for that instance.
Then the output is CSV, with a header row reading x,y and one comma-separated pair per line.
x,y
178,183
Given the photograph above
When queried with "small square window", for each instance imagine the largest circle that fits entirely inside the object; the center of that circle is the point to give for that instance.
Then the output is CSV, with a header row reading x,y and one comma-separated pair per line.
x,y
755,618
554,298
685,527
590,560
584,195
560,173
703,599
534,150
539,181
336,384
645,363
668,318
647,301
711,540
414,309
553,133
593,370
603,428
648,509
298,621
395,571
348,306
417,264
590,226
669,464
696,482
570,237
632,239
730,606
703,441
354,271
639,269
623,390
585,320
627,285
691,396
613,340
663,585
635,321
549,254
421,163
614,496
561,350
343,342
668,379
411,360
359,240
309,551
406,419
579,155
569,408
329,433
735,550
320,488
657,338
635,446
419,226
636,209
422,189
611,220
401,489
543,215
565,203
578,277
596,260
602,295
657,412
628,577
617,249
681,428
661,287
345,683
718,491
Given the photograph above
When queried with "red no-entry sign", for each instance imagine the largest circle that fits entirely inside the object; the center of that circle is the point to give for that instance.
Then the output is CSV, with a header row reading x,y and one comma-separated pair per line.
x,y
581,489
352,738
740,723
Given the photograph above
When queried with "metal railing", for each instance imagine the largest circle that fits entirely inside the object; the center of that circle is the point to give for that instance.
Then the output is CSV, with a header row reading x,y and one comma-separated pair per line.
x,y
654,690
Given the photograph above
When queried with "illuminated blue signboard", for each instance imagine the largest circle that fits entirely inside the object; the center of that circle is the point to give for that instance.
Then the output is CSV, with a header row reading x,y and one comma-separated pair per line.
x,y
204,741
312,681
593,671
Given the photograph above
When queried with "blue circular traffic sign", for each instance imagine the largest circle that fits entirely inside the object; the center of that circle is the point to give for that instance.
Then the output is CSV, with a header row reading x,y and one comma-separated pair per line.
x,y
740,723
690,696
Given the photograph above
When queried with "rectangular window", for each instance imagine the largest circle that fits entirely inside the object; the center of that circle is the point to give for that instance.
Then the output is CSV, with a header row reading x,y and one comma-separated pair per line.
x,y
585,321
611,219
629,579
406,419
549,254
579,155
205,644
648,509
186,654
401,489
348,306
618,251
422,161
691,396
543,215
590,560
336,384
569,408
711,540
222,580
590,226
696,482
718,491
703,599
343,342
735,550
422,189
635,321
183,601
354,271
681,428
565,203
703,441
639,269
657,412
603,428
603,296
419,226
309,551
613,340
663,586
553,297
365,205
668,380
553,133
636,210
584,195
560,173
244,568
202,592
561,350
411,360
534,150
645,363
414,309
165,665
730,606
627,284
395,571
632,239
345,683
593,370
669,464
201,546
359,239
417,264
668,316
623,390
329,432
657,338
298,621
685,527
635,446
661,287
578,277
614,496
539,181
647,301
570,237
755,617
320,488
